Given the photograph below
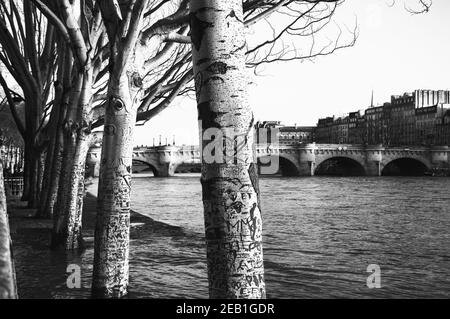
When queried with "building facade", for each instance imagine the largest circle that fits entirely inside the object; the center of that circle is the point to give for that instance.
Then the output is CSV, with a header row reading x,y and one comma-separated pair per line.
x,y
295,134
400,120
418,118
273,132
424,98
324,133
375,125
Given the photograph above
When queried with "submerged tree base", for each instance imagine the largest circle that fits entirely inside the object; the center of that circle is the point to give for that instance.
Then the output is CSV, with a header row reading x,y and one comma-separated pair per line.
x,y
63,242
103,293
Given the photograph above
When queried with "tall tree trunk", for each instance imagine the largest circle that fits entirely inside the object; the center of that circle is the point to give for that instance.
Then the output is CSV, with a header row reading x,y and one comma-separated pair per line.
x,y
59,234
55,174
233,223
73,217
33,178
70,130
110,276
8,289
43,212
68,226
40,176
67,232
62,98
32,107
26,170
48,166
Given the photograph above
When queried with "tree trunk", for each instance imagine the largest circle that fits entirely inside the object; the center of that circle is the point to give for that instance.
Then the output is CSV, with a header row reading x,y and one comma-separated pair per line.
x,y
59,234
68,228
72,224
233,223
52,164
40,176
8,289
62,95
32,107
48,166
47,181
60,217
110,276
67,233
55,174
33,179
26,170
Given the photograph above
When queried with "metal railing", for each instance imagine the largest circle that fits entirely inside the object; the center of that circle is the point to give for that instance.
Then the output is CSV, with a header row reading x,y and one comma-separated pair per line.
x,y
14,187
12,159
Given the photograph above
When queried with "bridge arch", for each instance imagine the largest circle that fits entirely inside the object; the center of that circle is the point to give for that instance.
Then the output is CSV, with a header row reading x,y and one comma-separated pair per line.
x,y
340,165
149,165
405,166
276,163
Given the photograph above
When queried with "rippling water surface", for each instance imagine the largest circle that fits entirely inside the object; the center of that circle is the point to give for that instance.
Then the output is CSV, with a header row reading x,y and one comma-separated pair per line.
x,y
320,234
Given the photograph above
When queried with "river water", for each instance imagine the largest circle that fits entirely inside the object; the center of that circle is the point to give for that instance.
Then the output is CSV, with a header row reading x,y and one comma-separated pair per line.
x,y
320,235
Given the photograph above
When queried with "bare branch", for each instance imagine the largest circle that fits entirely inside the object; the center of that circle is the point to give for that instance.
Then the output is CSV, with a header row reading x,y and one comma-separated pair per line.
x,y
12,106
425,6
53,19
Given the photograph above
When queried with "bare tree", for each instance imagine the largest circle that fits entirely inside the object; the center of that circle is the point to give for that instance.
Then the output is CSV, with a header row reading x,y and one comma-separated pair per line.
x,y
28,53
233,223
149,65
148,68
85,38
126,61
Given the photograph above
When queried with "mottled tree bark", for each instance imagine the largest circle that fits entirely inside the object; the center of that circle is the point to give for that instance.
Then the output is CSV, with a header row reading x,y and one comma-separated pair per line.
x,y
68,219
53,165
33,178
84,31
110,279
31,172
67,231
55,176
48,165
72,219
52,158
111,247
73,236
51,193
59,233
26,175
8,289
233,224
40,176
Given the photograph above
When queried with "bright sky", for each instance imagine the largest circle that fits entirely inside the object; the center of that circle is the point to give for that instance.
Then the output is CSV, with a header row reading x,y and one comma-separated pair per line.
x,y
396,52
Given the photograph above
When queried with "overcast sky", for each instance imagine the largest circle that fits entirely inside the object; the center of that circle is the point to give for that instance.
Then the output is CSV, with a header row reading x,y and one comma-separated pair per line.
x,y
396,52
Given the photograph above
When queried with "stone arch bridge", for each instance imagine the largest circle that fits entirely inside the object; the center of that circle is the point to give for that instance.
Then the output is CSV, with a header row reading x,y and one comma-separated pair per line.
x,y
293,160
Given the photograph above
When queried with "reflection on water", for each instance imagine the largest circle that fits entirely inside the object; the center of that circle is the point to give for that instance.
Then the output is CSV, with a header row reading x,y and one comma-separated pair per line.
x,y
320,234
